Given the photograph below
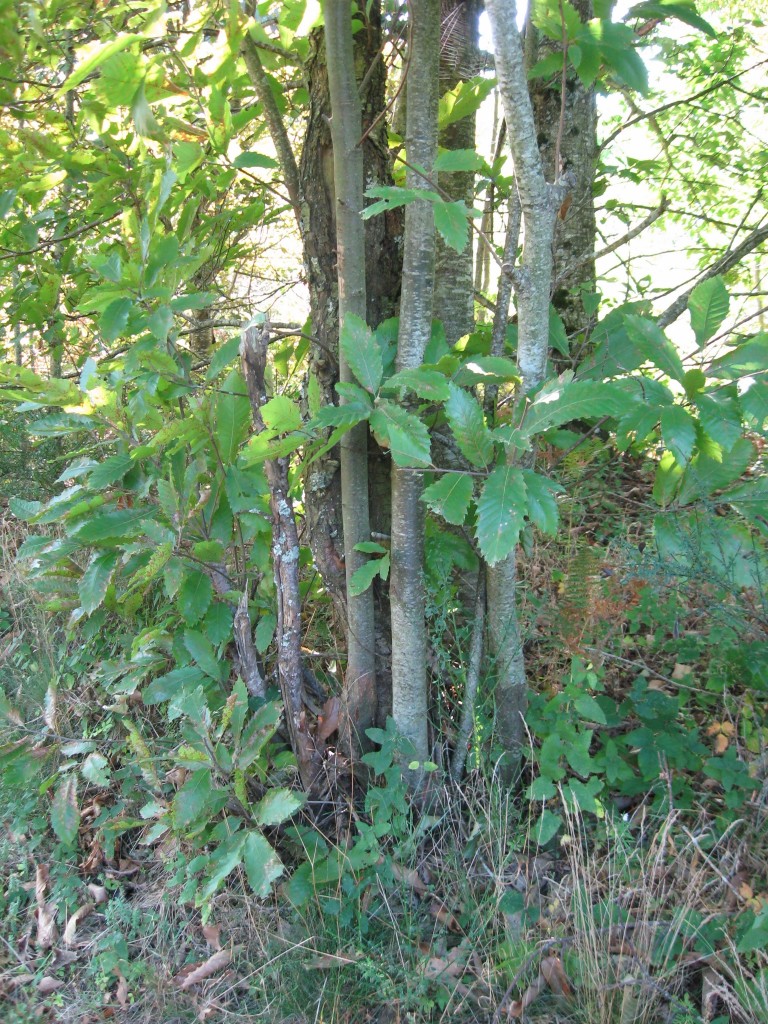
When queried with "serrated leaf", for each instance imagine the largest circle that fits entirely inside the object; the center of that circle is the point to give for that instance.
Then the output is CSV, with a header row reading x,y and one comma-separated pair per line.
x,y
281,414
124,522
363,576
450,496
172,684
221,863
93,56
678,429
262,864
231,417
224,354
94,582
426,383
403,433
542,504
277,806
501,513
95,769
589,709
655,346
362,352
196,799
65,813
194,596
720,418
114,319
467,422
201,649
546,827
561,402
709,304
705,475
451,220
487,370
110,471
255,160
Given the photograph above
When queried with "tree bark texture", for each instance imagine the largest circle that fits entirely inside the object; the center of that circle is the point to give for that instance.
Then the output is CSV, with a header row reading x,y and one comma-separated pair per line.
x,y
539,203
285,560
409,677
359,695
574,124
454,272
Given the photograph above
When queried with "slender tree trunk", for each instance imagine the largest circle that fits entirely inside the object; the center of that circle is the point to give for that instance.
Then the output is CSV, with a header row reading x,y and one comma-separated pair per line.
x,y
454,272
346,130
409,682
539,204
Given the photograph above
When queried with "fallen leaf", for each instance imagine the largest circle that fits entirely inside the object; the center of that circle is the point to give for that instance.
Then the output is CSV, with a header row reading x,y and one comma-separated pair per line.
x,y
328,719
11,984
121,993
441,913
680,671
80,914
48,984
99,893
554,974
212,935
532,992
199,972
411,877
41,883
46,925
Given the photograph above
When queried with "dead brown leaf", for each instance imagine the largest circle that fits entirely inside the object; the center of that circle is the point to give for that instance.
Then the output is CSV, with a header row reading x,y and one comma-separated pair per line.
x,y
555,976
212,935
79,915
410,877
446,917
121,992
47,932
681,671
328,719
48,984
532,992
195,973
41,883
99,893
328,960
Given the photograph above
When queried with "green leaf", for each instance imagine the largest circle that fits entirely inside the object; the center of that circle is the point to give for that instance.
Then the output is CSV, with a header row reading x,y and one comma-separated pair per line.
x,y
364,575
560,402
678,428
656,347
255,160
221,863
558,339
277,806
392,196
171,685
452,160
262,864
65,813
451,220
720,418
110,471
589,709
224,354
542,504
683,10
114,319
196,799
546,827
584,795
744,361
487,370
463,100
362,352
403,433
467,422
426,383
450,496
117,525
706,475
194,596
201,649
709,304
501,513
93,584
281,414
93,56
231,416
95,769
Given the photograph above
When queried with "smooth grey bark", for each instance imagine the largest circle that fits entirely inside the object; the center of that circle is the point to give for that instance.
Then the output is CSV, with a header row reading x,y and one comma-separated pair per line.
x,y
454,295
359,695
472,683
409,670
539,203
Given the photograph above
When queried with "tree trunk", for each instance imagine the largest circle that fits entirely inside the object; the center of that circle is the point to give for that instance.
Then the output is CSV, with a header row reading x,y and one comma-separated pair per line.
x,y
539,203
409,689
454,272
567,135
359,697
